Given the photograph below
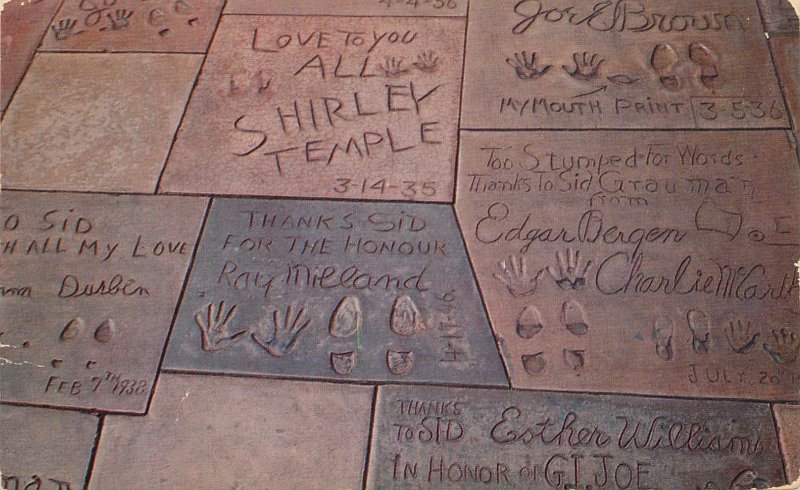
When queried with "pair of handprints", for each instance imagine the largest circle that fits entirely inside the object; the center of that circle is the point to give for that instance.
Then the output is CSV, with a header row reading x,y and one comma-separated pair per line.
x,y
521,281
393,67
586,66
283,329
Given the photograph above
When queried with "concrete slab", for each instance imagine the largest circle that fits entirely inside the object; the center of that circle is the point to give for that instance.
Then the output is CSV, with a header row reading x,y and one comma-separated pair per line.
x,y
95,122
334,290
427,437
23,25
338,107
788,419
657,263
90,284
204,432
43,448
553,64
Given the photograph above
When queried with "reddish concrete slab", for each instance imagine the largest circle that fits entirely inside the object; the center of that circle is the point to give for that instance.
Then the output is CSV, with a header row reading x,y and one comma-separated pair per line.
x,y
95,122
657,263
788,419
405,8
23,25
214,432
682,64
89,287
786,52
780,18
43,448
133,25
339,107
334,290
425,437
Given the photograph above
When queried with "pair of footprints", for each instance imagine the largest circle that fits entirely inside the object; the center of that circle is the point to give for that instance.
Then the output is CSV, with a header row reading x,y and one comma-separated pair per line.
x,y
103,334
573,319
347,320
740,337
664,59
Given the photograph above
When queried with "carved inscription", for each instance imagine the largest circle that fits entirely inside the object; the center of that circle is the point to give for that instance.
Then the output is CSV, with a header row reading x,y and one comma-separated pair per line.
x,y
119,25
14,482
87,302
663,258
334,290
429,438
620,63
357,103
